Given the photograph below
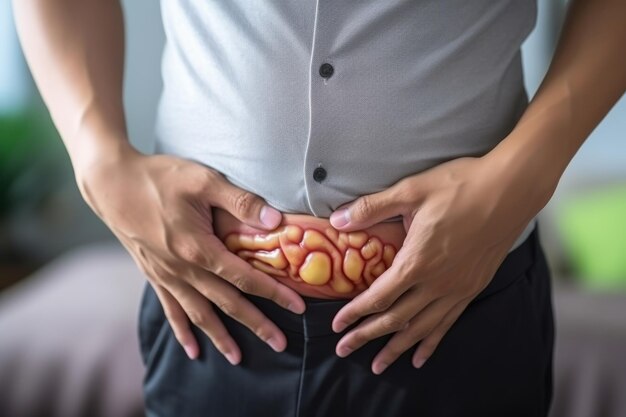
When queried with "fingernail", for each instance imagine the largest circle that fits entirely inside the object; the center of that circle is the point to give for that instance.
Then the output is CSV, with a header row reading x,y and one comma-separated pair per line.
x,y
190,351
344,351
294,309
380,367
270,216
230,356
419,362
274,344
340,326
340,218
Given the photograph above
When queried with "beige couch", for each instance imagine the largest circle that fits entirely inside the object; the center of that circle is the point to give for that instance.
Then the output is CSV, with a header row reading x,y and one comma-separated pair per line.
x,y
68,340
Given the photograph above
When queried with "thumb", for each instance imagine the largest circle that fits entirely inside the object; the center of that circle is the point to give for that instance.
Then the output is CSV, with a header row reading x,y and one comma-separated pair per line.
x,y
247,207
367,210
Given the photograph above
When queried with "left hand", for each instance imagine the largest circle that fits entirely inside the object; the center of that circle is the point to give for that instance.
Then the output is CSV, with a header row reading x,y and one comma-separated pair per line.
x,y
461,217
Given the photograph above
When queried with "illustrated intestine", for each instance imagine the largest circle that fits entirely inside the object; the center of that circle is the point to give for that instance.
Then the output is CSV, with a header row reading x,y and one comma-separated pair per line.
x,y
343,260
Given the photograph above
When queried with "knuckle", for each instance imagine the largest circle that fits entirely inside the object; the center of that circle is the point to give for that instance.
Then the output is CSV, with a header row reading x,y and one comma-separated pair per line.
x,y
243,202
363,209
392,322
196,183
190,252
217,268
380,303
199,318
402,191
211,175
205,179
228,306
245,284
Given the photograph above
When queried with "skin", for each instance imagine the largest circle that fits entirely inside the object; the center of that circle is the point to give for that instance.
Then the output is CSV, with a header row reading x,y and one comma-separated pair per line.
x,y
486,200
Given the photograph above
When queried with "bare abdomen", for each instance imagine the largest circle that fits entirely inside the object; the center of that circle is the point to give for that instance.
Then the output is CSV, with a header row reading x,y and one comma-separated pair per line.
x,y
307,254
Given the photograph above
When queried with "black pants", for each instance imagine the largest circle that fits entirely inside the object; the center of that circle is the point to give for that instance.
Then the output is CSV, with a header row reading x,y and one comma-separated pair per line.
x,y
496,360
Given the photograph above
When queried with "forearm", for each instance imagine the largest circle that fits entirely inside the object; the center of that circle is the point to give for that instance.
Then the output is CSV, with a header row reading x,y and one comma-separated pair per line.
x,y
585,79
75,51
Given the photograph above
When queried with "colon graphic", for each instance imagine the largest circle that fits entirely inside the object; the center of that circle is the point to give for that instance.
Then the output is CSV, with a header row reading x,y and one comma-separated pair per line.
x,y
345,261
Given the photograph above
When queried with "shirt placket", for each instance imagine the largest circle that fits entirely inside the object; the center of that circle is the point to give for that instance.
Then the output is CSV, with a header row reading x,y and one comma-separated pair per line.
x,y
322,78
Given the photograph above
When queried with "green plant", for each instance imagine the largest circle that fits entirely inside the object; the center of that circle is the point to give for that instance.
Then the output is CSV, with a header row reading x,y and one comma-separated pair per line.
x,y
33,164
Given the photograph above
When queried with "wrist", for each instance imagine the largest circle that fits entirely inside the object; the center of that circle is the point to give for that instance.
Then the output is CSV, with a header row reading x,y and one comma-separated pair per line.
x,y
94,160
526,169
543,142
105,150
99,134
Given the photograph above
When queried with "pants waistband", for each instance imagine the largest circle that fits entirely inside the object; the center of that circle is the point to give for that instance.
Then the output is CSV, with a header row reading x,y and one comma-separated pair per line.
x,y
319,314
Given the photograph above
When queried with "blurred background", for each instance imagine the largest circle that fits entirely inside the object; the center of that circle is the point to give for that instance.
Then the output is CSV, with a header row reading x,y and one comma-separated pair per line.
x,y
69,293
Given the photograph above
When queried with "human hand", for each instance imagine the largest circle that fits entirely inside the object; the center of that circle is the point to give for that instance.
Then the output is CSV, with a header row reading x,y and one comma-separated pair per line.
x,y
159,207
461,218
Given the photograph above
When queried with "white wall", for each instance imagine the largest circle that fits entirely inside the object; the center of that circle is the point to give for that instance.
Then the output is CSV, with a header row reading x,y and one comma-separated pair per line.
x,y
601,161
602,158
144,33
14,88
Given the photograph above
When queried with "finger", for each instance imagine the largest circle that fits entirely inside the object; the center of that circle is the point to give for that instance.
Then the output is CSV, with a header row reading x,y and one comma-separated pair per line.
x,y
408,265
368,210
244,205
379,296
178,322
250,280
201,314
392,320
419,327
429,344
234,304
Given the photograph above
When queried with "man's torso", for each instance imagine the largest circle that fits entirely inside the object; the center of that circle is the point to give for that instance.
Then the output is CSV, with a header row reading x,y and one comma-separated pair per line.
x,y
413,84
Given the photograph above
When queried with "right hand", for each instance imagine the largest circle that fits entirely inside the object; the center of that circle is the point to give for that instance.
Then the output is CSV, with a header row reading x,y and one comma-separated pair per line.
x,y
159,207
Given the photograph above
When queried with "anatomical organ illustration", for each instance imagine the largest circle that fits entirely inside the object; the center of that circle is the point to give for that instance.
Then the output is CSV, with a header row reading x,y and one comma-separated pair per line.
x,y
343,260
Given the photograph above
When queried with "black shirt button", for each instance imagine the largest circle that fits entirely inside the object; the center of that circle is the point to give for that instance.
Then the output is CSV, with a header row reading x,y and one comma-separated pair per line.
x,y
319,174
326,70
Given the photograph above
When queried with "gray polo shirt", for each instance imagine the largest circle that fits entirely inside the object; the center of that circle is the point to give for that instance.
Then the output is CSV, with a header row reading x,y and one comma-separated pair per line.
x,y
313,103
